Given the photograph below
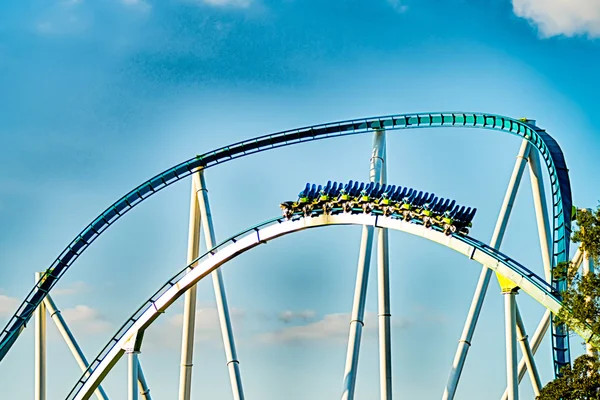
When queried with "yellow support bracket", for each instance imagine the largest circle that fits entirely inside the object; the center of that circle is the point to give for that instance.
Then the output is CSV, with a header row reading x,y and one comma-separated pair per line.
x,y
506,285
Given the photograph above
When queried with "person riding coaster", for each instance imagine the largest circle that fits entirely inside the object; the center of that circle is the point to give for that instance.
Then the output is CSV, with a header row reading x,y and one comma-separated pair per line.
x,y
365,202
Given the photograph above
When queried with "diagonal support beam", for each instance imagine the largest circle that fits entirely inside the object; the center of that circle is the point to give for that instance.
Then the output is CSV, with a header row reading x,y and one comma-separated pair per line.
x,y
233,364
69,339
486,273
528,355
189,309
360,292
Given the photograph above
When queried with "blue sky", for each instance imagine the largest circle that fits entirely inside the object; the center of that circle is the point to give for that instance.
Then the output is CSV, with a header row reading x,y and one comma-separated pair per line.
x,y
98,96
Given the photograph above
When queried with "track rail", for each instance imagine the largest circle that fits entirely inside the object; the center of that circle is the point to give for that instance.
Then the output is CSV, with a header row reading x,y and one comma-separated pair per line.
x,y
175,287
544,143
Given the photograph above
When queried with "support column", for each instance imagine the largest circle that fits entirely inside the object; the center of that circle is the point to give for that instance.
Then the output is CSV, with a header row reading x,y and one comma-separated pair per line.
x,y
541,212
233,363
486,273
379,174
132,375
142,384
360,291
358,313
40,348
189,309
511,344
70,340
528,355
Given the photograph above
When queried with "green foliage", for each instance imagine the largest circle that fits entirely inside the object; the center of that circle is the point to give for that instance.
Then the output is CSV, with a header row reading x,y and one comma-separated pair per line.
x,y
589,233
582,382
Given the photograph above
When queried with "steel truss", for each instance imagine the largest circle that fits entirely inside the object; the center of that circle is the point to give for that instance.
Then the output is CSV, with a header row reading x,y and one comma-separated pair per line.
x,y
511,275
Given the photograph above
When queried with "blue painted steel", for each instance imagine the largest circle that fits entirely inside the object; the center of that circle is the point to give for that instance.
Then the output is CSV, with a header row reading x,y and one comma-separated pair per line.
x,y
514,265
544,143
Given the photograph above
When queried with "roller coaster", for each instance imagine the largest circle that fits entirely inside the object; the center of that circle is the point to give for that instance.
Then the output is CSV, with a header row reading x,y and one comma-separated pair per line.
x,y
374,205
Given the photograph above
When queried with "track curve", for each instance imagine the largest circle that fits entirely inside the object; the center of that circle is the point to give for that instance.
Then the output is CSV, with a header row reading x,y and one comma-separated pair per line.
x,y
544,143
526,280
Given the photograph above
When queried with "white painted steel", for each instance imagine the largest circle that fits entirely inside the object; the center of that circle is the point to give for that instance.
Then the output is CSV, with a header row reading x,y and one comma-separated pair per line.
x,y
253,239
70,340
510,324
536,340
40,349
132,375
379,174
142,384
362,278
528,355
484,278
541,212
233,366
189,308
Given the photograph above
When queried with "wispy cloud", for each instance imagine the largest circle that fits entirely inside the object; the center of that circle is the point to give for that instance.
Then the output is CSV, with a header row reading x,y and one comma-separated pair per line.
x,y
288,316
227,3
8,305
137,4
332,327
561,17
398,5
86,320
207,329
72,289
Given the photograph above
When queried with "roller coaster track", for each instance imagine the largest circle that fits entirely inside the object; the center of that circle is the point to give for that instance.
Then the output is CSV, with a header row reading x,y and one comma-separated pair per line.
x,y
143,317
544,143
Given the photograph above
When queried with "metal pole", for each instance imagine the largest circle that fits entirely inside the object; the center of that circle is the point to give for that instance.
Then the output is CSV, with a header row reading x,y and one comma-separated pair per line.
x,y
588,267
132,375
189,310
358,313
379,174
360,290
536,340
70,341
219,287
536,383
486,273
511,345
541,211
40,348
142,384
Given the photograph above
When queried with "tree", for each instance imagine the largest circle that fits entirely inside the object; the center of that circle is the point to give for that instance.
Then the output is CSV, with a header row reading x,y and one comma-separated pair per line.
x,y
582,297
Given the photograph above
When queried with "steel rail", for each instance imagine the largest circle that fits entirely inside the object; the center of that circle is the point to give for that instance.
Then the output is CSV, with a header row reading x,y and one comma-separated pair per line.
x,y
175,287
544,143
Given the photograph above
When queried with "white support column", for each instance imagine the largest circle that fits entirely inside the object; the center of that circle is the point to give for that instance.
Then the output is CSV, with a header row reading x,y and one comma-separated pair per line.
x,y
189,310
219,287
588,267
358,313
142,384
511,344
536,340
379,174
132,374
360,290
70,340
484,278
40,348
541,211
528,355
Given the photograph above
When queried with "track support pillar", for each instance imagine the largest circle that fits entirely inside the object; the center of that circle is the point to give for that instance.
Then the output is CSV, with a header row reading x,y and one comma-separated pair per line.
x,y
233,364
132,374
486,274
510,308
40,348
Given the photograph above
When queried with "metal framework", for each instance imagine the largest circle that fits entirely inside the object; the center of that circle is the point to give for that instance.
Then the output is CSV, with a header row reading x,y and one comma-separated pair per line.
x,y
537,146
156,305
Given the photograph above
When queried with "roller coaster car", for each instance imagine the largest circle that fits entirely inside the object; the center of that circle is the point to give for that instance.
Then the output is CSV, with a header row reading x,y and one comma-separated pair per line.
x,y
288,208
364,202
